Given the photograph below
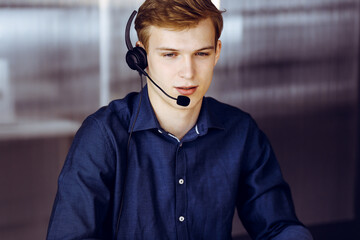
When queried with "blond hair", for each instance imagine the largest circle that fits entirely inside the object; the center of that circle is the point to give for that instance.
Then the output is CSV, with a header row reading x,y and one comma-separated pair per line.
x,y
176,15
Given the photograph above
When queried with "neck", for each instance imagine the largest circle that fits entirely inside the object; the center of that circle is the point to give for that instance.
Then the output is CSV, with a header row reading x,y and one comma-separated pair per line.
x,y
177,121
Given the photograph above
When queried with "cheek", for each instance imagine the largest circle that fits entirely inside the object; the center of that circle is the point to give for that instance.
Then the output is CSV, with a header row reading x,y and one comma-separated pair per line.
x,y
161,73
154,67
166,68
207,68
156,63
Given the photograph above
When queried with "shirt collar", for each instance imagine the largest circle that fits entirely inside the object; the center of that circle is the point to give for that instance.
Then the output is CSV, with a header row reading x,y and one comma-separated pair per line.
x,y
207,118
147,119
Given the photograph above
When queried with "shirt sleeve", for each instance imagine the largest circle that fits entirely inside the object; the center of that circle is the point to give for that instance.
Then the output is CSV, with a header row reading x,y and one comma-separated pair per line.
x,y
81,205
264,201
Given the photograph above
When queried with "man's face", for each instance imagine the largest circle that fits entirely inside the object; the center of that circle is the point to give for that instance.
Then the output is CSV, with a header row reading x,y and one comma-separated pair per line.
x,y
182,63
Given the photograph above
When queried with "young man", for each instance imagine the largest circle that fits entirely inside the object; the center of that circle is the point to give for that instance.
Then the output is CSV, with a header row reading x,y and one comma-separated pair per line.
x,y
185,168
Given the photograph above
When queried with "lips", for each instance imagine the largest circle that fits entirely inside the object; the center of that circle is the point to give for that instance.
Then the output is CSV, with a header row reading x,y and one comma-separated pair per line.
x,y
186,90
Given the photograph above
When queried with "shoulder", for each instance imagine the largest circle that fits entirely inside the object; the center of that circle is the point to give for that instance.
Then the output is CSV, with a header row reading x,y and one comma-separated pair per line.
x,y
116,114
110,123
227,114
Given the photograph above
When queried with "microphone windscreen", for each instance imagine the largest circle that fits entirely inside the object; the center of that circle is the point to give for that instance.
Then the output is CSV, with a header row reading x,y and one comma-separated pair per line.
x,y
183,101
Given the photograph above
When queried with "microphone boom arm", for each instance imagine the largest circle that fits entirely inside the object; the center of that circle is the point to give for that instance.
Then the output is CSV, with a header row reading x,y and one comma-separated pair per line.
x,y
147,75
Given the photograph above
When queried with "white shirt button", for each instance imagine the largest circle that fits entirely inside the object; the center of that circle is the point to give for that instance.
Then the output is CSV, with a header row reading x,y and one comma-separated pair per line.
x,y
181,181
181,219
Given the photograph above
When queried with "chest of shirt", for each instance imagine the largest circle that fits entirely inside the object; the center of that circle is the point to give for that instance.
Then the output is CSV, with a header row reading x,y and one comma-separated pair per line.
x,y
207,165
180,183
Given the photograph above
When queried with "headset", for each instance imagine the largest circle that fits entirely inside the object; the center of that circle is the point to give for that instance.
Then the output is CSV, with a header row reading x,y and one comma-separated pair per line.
x,y
136,59
136,56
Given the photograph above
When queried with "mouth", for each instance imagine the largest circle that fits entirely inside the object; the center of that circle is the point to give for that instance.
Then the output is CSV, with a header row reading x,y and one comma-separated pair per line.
x,y
186,90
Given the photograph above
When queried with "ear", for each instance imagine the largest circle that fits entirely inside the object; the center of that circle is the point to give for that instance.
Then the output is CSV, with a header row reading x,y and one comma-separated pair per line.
x,y
218,50
140,44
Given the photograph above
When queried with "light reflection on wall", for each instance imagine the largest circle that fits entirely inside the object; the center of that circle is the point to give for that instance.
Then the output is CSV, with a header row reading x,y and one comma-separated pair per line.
x,y
216,3
45,50
6,101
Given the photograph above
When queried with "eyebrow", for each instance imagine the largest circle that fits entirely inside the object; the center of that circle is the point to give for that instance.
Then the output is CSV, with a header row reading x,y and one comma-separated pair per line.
x,y
177,50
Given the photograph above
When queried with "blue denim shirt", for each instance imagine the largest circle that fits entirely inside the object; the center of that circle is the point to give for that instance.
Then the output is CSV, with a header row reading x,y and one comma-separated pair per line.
x,y
167,188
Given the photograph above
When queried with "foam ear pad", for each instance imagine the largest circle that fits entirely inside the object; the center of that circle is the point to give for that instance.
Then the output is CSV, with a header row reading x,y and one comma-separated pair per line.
x,y
136,58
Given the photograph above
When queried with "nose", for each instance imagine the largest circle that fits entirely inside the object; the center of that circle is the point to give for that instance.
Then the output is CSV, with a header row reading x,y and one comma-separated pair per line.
x,y
187,68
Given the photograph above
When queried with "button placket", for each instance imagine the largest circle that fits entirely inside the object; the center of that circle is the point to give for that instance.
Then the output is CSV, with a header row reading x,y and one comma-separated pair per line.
x,y
180,188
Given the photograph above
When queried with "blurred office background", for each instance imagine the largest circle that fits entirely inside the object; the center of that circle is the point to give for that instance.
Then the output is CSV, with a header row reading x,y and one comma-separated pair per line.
x,y
294,65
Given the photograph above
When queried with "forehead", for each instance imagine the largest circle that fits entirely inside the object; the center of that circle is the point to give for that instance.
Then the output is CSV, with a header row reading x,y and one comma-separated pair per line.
x,y
196,37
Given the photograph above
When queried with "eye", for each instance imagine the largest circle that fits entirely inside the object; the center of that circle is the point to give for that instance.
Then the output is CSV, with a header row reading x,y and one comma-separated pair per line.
x,y
202,54
169,55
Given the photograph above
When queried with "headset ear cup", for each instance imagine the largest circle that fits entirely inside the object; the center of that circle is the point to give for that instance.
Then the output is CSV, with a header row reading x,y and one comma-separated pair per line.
x,y
142,57
131,60
136,58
